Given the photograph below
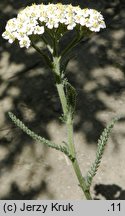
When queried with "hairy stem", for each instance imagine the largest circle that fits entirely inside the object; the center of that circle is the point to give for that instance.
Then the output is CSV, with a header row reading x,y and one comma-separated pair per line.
x,y
62,97
69,125
81,180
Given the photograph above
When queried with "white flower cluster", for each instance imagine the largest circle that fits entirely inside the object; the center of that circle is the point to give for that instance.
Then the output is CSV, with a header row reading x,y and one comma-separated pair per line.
x,y
33,19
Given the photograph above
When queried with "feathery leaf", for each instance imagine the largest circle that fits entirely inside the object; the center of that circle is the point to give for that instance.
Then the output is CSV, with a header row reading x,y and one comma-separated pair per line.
x,y
100,149
36,137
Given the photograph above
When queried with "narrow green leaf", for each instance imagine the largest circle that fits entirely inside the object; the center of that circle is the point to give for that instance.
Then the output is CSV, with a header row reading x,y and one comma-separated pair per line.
x,y
100,149
36,137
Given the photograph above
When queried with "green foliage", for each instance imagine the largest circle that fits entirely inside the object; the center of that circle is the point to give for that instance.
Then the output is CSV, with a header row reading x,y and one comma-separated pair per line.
x,y
100,149
64,63
70,97
63,118
38,138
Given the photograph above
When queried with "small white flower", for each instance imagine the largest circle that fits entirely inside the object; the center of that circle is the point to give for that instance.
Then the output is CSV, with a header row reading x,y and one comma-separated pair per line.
x,y
49,25
8,36
5,35
42,18
56,24
11,40
11,25
82,21
24,42
39,30
71,26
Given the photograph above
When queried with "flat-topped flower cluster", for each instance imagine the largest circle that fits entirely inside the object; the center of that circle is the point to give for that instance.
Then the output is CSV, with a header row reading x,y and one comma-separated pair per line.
x,y
33,19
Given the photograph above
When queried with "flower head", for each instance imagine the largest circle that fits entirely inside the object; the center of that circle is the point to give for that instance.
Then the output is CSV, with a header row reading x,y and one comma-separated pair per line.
x,y
34,19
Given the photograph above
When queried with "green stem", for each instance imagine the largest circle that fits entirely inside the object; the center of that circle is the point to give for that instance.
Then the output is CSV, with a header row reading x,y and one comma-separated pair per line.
x,y
74,42
82,182
62,97
69,124
69,47
44,56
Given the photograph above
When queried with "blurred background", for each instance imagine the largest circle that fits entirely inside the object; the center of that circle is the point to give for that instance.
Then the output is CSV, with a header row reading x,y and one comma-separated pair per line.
x,y
29,170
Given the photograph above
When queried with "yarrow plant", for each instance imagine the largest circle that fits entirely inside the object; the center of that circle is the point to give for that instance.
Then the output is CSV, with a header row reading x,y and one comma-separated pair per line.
x,y
50,23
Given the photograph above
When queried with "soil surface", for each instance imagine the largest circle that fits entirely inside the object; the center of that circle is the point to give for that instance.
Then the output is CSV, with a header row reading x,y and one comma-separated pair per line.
x,y
29,170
